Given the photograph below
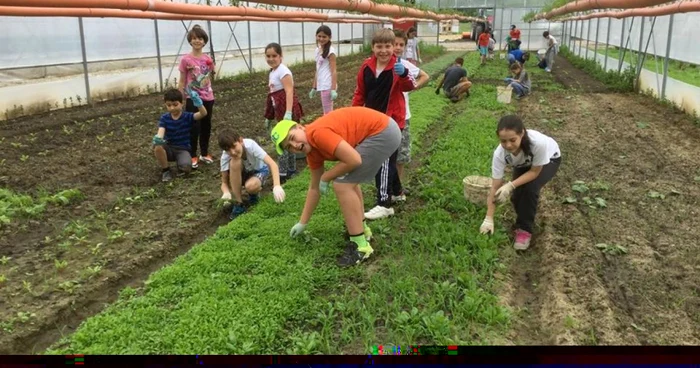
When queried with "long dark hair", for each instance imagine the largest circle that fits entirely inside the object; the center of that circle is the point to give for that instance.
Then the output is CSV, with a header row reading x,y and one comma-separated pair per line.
x,y
514,123
327,47
275,46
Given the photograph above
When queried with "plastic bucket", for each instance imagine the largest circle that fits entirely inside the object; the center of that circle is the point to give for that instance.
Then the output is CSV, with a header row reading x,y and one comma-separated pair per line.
x,y
504,94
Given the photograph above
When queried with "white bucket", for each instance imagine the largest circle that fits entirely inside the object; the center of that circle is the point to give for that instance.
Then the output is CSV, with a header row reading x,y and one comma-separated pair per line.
x,y
504,94
502,56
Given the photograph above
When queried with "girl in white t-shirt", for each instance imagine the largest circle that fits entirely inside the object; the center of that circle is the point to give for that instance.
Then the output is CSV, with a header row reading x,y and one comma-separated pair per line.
x,y
282,102
535,159
325,80
245,164
411,51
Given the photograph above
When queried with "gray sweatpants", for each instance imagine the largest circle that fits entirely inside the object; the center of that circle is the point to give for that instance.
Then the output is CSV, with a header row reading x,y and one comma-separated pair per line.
x,y
374,151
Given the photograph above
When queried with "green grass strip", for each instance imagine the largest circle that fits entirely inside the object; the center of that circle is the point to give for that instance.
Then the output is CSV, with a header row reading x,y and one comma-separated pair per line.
x,y
238,292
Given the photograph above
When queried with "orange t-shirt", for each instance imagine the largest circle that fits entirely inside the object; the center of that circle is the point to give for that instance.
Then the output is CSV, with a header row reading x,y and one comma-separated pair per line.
x,y
515,34
484,39
351,124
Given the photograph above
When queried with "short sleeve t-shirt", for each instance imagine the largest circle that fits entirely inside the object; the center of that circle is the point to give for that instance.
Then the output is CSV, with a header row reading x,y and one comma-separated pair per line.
x,y
484,39
351,124
254,160
524,78
324,79
518,55
198,71
275,78
452,76
515,34
410,51
414,72
544,149
177,132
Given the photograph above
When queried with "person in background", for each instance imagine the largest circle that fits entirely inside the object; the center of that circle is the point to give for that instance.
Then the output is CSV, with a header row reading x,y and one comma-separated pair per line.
x,y
514,43
455,82
552,46
326,79
518,55
172,141
483,43
421,77
282,102
412,52
535,159
520,82
196,71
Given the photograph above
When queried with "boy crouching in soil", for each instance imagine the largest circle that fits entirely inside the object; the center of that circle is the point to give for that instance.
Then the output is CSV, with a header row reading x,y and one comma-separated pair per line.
x,y
245,163
361,139
172,142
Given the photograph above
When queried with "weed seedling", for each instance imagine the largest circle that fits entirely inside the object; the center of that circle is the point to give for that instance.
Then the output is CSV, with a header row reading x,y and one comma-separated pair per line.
x,y
612,249
4,260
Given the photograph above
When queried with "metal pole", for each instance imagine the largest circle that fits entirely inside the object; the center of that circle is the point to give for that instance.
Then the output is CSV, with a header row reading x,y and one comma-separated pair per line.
x,y
529,35
248,63
85,66
571,28
303,51
621,56
588,38
639,54
250,45
668,55
437,36
573,44
160,66
211,42
338,38
595,47
607,45
352,38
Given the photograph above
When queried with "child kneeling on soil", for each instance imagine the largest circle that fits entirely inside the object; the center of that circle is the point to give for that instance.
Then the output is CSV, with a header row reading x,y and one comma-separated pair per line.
x,y
361,139
535,159
521,80
245,163
172,141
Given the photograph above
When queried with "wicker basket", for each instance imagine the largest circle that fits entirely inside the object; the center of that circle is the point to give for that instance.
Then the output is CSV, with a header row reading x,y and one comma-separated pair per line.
x,y
476,189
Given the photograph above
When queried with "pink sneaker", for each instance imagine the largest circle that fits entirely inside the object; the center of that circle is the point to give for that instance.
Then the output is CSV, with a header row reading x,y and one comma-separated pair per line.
x,y
522,239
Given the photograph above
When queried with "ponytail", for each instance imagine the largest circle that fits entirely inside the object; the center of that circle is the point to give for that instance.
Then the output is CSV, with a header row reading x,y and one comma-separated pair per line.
x,y
326,50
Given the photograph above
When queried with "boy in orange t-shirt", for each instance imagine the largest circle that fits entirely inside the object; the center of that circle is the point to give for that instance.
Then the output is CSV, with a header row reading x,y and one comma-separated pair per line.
x,y
361,139
484,46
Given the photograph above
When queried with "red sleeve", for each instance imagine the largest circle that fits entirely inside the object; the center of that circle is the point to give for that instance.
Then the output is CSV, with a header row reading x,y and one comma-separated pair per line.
x,y
358,99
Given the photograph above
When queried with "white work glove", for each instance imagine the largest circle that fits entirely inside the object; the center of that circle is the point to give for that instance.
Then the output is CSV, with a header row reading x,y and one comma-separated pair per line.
x,y
487,225
504,192
297,230
226,196
278,192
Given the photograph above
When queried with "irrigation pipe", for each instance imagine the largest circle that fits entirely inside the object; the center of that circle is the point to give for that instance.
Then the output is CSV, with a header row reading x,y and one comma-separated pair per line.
x,y
675,8
586,5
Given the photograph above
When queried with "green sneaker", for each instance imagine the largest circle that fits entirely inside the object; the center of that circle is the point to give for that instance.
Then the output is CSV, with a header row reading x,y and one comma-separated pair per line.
x,y
354,255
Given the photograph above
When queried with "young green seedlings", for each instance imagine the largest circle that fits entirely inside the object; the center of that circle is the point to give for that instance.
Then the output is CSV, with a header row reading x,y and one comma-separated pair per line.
x,y
612,249
4,260
60,265
117,235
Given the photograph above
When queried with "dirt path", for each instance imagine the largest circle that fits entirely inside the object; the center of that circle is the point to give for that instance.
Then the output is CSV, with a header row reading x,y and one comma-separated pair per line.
x,y
71,261
626,273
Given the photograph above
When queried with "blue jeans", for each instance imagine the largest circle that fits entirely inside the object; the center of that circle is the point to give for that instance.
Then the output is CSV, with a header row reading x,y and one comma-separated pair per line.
x,y
518,89
510,58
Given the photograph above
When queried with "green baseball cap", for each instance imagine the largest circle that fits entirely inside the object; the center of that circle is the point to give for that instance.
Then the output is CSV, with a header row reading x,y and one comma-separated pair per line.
x,y
280,132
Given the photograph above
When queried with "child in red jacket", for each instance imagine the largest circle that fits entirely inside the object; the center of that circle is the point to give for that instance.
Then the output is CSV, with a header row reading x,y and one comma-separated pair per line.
x,y
381,81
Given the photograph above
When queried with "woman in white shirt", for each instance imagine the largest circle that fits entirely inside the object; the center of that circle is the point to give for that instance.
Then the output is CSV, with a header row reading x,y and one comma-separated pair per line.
x,y
535,159
325,80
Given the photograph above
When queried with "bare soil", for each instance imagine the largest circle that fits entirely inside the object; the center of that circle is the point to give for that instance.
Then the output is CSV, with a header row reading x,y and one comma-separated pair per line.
x,y
129,224
625,274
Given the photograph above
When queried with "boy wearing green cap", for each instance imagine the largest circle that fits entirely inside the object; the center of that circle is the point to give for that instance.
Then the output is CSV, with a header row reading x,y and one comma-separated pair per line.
x,y
360,139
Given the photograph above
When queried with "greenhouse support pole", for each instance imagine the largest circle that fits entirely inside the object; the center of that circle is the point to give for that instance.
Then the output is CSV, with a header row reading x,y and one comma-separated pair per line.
x,y
580,37
621,56
85,66
160,65
595,47
248,63
607,45
563,33
303,50
529,35
639,54
250,45
571,28
437,35
352,38
337,37
573,44
668,55
588,38
279,33
211,43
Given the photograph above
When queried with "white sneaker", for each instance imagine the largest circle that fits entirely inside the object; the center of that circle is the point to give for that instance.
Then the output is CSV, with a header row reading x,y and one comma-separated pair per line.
x,y
379,212
398,198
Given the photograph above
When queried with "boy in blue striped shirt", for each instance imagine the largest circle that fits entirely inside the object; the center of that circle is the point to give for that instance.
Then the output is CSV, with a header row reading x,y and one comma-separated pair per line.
x,y
172,142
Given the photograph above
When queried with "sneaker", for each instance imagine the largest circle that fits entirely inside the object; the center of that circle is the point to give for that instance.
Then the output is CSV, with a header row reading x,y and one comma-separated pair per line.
x,y
354,255
206,159
195,162
166,176
253,199
398,198
236,211
522,239
548,70
379,212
